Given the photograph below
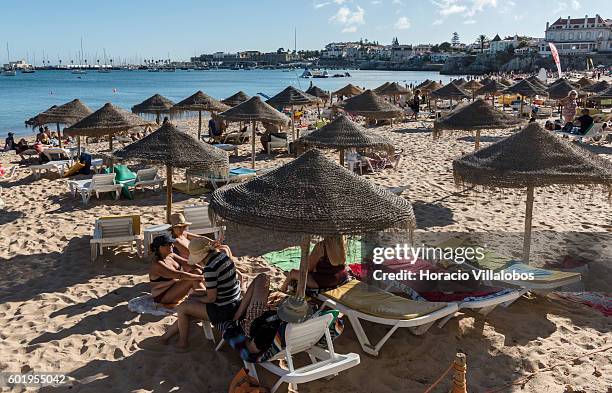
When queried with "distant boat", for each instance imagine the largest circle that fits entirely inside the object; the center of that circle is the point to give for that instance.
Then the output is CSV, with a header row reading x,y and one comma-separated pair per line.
x,y
9,71
153,69
314,74
28,70
79,71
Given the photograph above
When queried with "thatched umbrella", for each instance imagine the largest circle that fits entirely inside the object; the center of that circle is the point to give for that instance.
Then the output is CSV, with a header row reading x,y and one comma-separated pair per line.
x,y
236,99
506,82
371,106
156,104
199,102
320,93
450,91
175,149
524,88
494,88
108,120
312,195
458,82
597,87
68,113
343,133
533,157
472,86
431,86
485,81
423,84
290,97
381,87
475,116
585,82
254,110
393,89
347,91
604,95
534,80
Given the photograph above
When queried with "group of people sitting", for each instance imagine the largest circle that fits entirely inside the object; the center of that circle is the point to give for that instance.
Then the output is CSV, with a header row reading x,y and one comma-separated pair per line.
x,y
199,274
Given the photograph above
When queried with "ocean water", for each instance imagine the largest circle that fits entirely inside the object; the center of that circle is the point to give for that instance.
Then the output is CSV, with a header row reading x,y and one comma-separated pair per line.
x,y
26,95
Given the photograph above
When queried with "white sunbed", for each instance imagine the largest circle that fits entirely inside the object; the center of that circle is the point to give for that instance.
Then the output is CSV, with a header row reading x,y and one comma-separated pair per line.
x,y
594,132
200,221
303,337
217,181
147,178
360,301
114,231
95,185
277,143
58,166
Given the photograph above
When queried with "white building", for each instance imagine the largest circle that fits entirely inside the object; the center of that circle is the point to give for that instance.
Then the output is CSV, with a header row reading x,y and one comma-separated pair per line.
x,y
498,45
401,53
583,35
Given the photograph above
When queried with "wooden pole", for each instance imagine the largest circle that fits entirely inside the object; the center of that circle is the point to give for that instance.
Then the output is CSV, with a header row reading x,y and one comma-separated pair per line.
x,y
79,145
477,144
168,192
305,250
157,117
292,125
199,125
253,146
459,380
59,135
528,217
341,157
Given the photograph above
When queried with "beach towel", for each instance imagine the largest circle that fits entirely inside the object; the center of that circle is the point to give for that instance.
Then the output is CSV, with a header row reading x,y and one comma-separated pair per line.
x,y
602,302
146,305
289,258
241,171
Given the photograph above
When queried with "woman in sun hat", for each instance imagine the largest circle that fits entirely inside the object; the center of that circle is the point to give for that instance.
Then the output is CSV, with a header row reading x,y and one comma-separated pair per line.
x,y
169,281
219,300
178,231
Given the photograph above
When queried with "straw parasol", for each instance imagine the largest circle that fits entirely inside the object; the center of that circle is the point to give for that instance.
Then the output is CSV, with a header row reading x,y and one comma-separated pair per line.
x,y
485,81
393,89
472,86
494,88
343,133
236,99
560,89
506,82
347,91
68,113
585,82
174,148
156,104
597,87
526,89
458,82
450,91
199,102
534,80
431,86
254,110
475,116
312,195
533,157
370,105
423,84
381,87
291,96
318,92
108,120
604,95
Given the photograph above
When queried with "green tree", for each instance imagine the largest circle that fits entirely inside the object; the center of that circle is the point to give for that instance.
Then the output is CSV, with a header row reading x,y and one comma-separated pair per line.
x,y
445,47
481,40
455,40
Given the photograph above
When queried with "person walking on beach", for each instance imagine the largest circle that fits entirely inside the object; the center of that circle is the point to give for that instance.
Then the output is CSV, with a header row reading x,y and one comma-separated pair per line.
x,y
416,104
569,106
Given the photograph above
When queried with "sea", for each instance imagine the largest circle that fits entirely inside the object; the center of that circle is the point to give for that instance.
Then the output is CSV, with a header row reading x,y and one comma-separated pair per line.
x,y
25,95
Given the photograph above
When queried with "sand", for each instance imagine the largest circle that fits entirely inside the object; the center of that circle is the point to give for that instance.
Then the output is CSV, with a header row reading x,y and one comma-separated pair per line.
x,y
60,312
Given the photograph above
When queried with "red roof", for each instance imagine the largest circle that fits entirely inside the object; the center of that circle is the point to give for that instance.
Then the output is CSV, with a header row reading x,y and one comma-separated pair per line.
x,y
579,21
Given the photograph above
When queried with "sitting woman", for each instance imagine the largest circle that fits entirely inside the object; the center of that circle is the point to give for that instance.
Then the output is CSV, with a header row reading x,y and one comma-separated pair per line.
x,y
326,265
220,299
169,282
178,231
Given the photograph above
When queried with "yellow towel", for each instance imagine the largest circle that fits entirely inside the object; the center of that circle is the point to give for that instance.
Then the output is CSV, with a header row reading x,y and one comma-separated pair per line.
x,y
374,301
135,221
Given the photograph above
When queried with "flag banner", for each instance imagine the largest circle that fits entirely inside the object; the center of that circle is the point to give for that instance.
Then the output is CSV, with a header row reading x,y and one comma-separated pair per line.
x,y
555,55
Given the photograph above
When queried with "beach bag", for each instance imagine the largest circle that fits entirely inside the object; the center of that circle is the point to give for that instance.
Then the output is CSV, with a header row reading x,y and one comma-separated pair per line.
x,y
74,169
244,383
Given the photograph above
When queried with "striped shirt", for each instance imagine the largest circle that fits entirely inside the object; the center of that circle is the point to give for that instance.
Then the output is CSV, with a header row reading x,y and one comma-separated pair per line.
x,y
220,274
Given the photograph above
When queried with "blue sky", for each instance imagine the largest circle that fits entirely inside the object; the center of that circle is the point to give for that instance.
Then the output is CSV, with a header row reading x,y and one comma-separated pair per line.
x,y
182,28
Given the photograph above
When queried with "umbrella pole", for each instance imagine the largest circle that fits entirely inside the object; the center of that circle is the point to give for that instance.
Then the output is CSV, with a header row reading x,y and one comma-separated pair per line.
x,y
318,111
305,250
157,118
199,125
79,145
253,146
59,135
341,157
477,145
528,217
168,192
110,142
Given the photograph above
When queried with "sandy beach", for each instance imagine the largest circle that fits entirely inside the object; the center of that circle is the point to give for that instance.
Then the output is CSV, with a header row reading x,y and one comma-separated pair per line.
x,y
59,312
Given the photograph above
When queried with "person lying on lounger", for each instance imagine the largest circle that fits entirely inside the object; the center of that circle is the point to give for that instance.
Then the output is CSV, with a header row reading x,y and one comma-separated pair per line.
x,y
326,265
219,300
182,237
169,281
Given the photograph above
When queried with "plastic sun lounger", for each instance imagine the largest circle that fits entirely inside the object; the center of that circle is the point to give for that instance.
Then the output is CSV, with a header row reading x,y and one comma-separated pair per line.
x,y
58,166
544,279
147,178
358,301
95,185
200,221
113,231
483,301
303,337
236,175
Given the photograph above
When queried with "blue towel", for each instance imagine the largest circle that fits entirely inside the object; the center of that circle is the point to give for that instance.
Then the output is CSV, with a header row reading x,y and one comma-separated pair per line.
x,y
241,171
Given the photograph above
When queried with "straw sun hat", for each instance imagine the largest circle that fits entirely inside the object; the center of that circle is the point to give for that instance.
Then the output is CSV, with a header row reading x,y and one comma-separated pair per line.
x,y
178,220
199,249
294,310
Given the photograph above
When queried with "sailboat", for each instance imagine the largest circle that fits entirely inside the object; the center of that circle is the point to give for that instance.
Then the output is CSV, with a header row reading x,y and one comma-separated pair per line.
x,y
80,70
8,69
105,69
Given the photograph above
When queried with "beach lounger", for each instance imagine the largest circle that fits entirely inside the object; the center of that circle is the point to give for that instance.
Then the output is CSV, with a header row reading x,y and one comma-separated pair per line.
x,y
360,301
544,279
303,337
200,221
114,231
277,143
483,299
95,185
236,175
58,166
237,137
147,178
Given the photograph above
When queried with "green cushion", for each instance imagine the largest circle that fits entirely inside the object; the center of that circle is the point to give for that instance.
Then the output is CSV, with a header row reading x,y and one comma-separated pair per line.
x,y
123,173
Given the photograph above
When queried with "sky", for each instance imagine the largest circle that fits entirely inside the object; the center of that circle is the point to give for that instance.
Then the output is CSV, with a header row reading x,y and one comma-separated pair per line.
x,y
134,29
